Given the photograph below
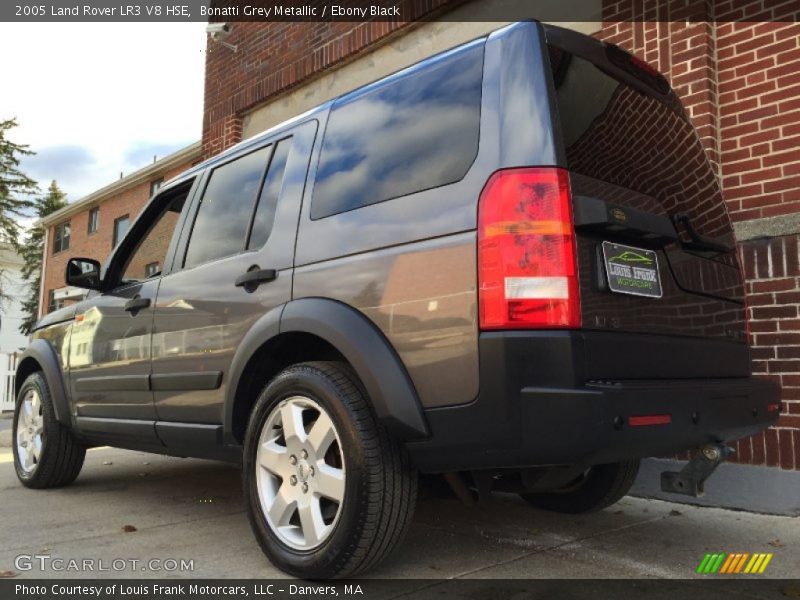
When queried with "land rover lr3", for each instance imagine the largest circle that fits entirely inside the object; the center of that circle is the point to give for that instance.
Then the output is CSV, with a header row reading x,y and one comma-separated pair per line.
x,y
511,263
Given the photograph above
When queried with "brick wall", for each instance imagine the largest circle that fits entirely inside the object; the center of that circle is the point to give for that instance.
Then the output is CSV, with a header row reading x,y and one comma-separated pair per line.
x,y
737,80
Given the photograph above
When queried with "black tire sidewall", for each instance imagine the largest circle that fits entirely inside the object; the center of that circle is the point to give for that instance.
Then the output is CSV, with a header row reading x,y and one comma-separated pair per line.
x,y
320,561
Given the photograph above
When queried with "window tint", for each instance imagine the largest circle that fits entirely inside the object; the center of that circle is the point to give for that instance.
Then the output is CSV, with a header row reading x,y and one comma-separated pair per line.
x,y
121,226
268,200
220,226
615,133
61,237
415,133
146,260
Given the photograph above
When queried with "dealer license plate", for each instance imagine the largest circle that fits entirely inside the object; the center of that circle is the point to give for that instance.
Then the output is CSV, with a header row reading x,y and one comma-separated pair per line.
x,y
632,270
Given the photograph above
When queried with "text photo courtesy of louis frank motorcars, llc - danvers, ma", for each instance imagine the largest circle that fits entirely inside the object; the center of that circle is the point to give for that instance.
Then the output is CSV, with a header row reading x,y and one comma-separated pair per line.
x,y
399,298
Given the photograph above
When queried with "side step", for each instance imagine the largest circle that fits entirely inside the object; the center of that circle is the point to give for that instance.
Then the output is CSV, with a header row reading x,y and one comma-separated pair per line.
x,y
691,479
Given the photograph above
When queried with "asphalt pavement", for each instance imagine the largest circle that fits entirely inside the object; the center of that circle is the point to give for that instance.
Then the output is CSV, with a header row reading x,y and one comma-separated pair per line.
x,y
138,507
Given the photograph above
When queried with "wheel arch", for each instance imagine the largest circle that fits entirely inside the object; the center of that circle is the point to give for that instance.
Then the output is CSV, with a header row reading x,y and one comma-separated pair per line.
x,y
41,356
321,329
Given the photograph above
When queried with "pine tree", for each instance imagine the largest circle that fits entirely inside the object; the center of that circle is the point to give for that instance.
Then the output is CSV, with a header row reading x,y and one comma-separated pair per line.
x,y
16,188
32,251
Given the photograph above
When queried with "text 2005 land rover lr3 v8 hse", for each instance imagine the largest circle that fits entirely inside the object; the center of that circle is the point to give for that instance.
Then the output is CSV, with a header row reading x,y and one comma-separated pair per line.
x,y
511,260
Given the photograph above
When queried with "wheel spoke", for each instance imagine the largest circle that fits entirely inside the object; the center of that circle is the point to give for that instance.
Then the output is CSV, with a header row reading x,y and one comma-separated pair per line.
x,y
292,422
322,434
330,482
27,460
36,447
311,522
25,416
282,508
274,458
36,406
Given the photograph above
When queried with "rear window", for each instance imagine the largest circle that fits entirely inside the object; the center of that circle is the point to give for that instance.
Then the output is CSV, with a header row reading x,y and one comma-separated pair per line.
x,y
617,134
415,133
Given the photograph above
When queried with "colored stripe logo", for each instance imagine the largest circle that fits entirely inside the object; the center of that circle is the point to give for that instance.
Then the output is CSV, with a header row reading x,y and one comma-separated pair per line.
x,y
734,563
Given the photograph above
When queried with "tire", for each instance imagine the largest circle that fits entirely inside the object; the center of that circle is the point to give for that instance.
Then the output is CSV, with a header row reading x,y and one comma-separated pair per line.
x,y
329,501
46,454
598,488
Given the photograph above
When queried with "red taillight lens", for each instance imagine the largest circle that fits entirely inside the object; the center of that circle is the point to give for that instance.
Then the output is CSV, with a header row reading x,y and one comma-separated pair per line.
x,y
527,274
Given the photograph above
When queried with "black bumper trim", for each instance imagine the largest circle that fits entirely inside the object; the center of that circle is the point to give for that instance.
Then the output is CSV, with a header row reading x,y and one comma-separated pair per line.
x,y
528,416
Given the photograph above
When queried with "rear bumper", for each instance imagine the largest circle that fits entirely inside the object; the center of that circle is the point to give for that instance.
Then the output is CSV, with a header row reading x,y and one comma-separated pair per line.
x,y
542,402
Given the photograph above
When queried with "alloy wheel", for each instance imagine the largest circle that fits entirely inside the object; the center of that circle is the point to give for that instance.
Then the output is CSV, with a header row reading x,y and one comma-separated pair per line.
x,y
300,473
30,431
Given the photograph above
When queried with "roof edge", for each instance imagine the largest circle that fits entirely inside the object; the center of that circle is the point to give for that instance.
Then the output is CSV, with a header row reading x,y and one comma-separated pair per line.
x,y
160,166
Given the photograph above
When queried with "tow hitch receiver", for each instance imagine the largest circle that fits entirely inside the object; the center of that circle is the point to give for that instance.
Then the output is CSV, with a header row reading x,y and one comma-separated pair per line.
x,y
691,479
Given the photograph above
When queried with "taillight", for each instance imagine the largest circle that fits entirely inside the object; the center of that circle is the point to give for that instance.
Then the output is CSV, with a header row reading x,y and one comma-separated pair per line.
x,y
527,272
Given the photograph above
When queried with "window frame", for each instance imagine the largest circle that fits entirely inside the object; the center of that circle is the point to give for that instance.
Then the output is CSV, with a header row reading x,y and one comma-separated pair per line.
x,y
114,241
201,192
56,239
53,304
147,269
142,224
156,185
95,210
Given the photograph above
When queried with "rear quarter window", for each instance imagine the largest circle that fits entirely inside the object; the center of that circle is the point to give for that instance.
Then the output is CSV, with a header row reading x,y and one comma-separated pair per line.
x,y
415,133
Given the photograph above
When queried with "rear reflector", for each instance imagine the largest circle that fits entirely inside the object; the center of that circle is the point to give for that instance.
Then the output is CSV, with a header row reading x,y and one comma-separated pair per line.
x,y
527,274
645,420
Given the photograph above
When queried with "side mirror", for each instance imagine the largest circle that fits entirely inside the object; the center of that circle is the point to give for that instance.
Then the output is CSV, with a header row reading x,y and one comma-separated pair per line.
x,y
83,273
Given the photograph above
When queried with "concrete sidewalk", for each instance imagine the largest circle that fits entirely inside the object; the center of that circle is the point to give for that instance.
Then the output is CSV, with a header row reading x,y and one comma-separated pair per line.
x,y
192,509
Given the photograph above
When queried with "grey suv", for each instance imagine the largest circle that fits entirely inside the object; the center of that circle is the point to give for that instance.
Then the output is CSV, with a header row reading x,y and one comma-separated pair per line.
x,y
510,262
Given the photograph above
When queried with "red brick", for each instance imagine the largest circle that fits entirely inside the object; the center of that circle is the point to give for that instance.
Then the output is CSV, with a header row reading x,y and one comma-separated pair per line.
x,y
786,449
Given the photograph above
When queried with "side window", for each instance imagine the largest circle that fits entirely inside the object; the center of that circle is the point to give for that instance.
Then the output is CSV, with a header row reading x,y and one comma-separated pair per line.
x,y
268,199
220,226
147,259
416,133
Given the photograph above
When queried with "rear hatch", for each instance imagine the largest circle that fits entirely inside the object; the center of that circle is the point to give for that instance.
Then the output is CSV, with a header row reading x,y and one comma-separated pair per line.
x,y
655,245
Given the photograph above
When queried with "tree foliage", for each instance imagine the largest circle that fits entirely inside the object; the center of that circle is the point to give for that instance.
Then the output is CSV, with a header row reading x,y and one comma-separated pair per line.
x,y
17,190
32,251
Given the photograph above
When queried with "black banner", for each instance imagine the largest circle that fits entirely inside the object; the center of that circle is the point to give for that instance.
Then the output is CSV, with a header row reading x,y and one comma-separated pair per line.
x,y
379,589
397,10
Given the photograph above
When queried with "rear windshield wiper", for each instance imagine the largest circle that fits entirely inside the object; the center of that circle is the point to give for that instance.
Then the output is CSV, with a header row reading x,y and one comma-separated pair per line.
x,y
698,243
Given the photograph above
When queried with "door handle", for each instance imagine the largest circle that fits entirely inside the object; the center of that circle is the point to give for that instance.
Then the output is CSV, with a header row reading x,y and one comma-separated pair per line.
x,y
255,277
136,304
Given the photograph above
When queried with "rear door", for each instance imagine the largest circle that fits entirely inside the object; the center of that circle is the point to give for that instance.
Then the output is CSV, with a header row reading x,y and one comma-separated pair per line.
x,y
244,222
655,244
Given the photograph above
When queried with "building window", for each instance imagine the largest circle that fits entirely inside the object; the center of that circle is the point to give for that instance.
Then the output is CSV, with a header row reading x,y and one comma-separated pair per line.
x,y
121,227
156,185
94,219
61,237
151,269
53,303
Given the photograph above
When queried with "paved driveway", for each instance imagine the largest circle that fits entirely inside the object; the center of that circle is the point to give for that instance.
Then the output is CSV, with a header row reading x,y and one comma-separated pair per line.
x,y
192,509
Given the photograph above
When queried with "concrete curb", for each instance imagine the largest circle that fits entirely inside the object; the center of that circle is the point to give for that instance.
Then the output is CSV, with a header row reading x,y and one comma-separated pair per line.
x,y
5,439
740,487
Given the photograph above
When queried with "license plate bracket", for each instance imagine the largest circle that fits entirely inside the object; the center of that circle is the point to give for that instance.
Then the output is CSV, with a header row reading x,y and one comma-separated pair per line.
x,y
632,271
